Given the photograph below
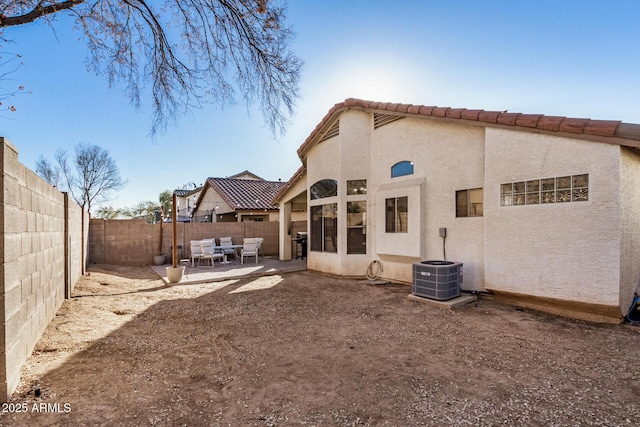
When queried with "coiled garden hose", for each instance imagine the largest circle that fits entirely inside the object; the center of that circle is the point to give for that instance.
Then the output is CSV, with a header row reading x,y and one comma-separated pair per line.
x,y
374,269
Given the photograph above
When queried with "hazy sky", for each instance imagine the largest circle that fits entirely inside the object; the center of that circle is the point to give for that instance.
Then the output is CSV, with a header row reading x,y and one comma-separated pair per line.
x,y
568,58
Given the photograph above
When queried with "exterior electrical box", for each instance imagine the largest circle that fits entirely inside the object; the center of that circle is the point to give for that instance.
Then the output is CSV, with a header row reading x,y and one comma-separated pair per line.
x,y
438,280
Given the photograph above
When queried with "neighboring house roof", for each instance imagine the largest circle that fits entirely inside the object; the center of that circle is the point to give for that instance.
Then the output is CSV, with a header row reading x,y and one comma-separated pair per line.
x,y
609,131
186,193
246,175
244,194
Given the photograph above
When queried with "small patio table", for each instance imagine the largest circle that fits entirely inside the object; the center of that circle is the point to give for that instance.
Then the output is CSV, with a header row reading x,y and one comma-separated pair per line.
x,y
221,249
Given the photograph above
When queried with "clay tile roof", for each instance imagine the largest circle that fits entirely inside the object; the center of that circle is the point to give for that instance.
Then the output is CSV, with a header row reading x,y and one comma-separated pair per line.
x,y
439,111
622,133
528,120
350,102
246,193
601,127
455,113
426,111
488,116
470,114
550,123
573,125
508,118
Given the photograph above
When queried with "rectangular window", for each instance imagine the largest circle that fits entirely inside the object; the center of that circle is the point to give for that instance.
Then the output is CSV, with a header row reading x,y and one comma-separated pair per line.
x,y
397,214
357,186
469,203
573,188
357,227
324,228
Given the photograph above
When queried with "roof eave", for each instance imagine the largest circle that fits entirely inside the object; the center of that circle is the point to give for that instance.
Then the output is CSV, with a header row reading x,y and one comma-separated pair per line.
x,y
608,131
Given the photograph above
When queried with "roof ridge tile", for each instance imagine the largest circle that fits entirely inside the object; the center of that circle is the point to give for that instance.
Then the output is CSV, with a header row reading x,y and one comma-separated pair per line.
x,y
506,118
440,111
550,123
488,116
603,128
573,125
470,114
528,120
455,113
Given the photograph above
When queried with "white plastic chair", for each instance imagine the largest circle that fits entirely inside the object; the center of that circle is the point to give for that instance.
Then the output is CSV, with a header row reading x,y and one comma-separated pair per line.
x,y
225,244
208,252
196,252
249,248
259,241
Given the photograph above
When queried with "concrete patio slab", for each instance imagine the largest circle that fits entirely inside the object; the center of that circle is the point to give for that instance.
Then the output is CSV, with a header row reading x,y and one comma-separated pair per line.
x,y
235,270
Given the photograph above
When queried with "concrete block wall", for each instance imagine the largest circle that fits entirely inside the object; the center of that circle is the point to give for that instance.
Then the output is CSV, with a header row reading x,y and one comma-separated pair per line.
x,y
37,260
77,238
134,242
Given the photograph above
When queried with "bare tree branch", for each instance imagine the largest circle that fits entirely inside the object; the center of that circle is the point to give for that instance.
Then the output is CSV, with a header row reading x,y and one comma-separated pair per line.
x,y
184,53
38,11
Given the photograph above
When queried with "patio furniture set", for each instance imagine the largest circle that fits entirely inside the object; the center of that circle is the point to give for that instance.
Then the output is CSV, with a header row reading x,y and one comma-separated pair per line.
x,y
208,251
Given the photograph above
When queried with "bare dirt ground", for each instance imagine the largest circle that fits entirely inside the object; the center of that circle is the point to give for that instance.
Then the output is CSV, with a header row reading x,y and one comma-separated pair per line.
x,y
308,349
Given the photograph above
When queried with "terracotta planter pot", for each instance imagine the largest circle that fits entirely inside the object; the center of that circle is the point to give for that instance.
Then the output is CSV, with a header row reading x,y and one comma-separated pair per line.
x,y
175,274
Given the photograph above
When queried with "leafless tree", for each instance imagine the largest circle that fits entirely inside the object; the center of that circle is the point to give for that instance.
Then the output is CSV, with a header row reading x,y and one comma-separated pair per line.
x,y
190,51
89,178
47,171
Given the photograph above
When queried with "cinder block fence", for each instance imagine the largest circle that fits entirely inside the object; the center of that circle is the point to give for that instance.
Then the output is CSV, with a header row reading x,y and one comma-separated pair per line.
x,y
47,240
134,242
43,235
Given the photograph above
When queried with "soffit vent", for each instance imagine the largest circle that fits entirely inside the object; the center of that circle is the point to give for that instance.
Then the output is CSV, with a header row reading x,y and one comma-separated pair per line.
x,y
380,120
334,130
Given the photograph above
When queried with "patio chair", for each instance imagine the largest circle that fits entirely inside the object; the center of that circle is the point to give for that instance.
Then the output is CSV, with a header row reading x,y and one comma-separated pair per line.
x,y
260,240
227,241
208,251
196,252
249,248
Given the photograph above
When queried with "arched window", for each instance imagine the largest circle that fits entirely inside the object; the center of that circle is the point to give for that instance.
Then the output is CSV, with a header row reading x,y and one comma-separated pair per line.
x,y
324,188
401,169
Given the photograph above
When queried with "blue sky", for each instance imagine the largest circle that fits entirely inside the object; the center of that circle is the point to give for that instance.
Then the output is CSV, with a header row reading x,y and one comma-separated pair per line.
x,y
568,58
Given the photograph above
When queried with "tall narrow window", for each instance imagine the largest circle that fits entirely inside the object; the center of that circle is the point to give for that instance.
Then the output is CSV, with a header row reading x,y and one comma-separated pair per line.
x,y
397,214
401,169
357,227
324,228
469,203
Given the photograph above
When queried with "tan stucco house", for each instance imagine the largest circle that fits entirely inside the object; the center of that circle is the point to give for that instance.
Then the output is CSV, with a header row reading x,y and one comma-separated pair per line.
x,y
241,197
186,201
540,210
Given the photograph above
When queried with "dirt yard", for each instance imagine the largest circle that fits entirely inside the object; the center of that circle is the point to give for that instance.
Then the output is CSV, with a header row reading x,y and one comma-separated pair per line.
x,y
313,350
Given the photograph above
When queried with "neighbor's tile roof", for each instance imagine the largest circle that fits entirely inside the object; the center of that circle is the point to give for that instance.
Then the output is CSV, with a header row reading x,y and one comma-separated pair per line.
x,y
611,131
185,193
249,194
